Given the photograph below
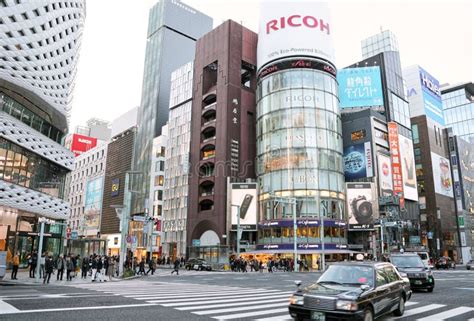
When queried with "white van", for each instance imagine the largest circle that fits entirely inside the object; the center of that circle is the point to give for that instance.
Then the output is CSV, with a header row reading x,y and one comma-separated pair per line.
x,y
426,259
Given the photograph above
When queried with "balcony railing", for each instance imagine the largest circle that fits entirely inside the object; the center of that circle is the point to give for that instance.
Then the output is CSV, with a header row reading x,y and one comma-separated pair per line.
x,y
209,122
210,106
209,139
208,193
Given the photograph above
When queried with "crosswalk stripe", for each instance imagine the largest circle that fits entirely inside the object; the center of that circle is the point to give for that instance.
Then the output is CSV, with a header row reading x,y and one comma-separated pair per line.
x,y
205,294
410,303
249,314
282,317
448,314
420,310
257,301
264,306
227,299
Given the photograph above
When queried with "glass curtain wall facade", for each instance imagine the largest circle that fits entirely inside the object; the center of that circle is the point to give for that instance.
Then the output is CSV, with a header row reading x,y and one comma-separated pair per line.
x,y
300,154
458,106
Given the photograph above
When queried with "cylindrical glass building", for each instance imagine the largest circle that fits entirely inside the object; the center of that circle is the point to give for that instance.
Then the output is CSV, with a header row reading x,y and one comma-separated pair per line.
x,y
300,150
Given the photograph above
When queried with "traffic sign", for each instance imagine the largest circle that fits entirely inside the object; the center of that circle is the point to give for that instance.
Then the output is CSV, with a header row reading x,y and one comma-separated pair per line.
x,y
129,239
139,218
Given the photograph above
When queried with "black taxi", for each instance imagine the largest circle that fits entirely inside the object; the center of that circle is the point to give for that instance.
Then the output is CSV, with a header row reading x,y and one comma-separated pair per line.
x,y
352,291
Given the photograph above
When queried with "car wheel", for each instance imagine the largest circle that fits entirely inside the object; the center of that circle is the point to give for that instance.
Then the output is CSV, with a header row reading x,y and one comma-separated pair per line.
x,y
468,267
401,308
368,315
430,289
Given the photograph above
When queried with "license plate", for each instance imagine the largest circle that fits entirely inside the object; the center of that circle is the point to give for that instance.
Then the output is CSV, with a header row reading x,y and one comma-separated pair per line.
x,y
318,316
418,282
195,267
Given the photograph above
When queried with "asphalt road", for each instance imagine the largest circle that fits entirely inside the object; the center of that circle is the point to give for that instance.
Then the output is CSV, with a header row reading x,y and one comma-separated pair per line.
x,y
208,296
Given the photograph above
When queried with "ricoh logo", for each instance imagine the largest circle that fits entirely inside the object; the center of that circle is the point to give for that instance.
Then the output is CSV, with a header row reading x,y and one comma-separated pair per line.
x,y
84,141
296,21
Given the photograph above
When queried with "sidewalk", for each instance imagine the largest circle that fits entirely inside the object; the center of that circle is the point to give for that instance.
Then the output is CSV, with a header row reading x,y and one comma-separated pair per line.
x,y
24,278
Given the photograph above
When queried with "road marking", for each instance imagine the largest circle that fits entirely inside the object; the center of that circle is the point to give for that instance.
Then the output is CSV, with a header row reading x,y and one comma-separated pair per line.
x,y
204,294
258,301
421,310
410,303
55,296
469,289
249,314
225,299
76,308
271,305
6,308
447,314
277,318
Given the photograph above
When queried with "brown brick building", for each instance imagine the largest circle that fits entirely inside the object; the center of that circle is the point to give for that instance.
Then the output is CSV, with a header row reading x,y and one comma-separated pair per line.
x,y
223,126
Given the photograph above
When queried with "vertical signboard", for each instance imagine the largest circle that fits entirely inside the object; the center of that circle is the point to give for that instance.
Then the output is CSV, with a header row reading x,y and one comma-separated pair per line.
x,y
442,175
81,144
385,175
407,159
245,196
93,205
360,87
115,188
361,205
431,96
396,162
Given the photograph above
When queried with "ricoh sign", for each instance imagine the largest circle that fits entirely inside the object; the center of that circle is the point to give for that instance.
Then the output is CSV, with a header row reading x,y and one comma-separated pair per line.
x,y
299,28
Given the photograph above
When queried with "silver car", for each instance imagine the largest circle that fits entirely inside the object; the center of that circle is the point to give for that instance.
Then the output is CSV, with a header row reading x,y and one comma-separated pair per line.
x,y
470,265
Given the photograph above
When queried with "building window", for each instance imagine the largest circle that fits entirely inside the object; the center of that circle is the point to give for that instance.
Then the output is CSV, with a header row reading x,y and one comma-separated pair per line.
x,y
417,154
415,134
159,180
419,170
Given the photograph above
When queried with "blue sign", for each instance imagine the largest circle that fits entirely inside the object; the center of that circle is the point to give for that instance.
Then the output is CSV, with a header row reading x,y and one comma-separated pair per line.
x,y
115,187
196,242
415,239
74,235
355,162
431,97
360,87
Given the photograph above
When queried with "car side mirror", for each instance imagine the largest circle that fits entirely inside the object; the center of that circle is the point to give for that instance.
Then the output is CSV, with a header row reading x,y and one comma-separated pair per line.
x,y
298,284
364,287
403,275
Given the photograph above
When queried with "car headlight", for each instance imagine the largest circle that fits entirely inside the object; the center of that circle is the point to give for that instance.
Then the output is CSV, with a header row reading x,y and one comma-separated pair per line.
x,y
346,305
296,300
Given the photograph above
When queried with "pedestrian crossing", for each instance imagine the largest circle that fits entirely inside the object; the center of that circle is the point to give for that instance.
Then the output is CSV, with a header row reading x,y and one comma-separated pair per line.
x,y
167,272
262,304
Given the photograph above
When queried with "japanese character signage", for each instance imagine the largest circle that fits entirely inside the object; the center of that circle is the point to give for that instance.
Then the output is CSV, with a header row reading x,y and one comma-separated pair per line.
x,y
360,87
396,162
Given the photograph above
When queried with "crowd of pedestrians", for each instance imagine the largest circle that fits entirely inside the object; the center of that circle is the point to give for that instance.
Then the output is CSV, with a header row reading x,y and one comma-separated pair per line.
x,y
240,264
97,267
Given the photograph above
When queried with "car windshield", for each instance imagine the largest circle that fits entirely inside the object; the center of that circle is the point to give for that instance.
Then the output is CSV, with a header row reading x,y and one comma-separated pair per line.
x,y
348,275
407,261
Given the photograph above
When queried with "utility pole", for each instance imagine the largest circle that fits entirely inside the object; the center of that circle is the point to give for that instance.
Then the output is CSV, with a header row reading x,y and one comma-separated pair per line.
x,y
239,233
40,248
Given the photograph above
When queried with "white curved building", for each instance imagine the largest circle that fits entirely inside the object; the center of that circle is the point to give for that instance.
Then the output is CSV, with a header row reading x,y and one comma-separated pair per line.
x,y
39,44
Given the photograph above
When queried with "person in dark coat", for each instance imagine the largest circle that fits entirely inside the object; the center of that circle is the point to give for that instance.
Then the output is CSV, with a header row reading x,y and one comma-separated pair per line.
x,y
141,267
48,269
69,268
94,268
32,262
61,265
176,266
84,267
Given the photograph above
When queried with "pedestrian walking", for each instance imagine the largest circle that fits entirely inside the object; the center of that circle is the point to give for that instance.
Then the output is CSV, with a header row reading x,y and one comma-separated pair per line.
x,y
32,260
61,265
94,268
99,269
42,262
69,268
151,265
16,264
84,267
48,269
111,268
176,267
141,267
105,267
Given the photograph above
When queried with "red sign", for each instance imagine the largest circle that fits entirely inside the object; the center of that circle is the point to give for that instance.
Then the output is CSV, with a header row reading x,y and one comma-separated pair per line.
x,y
297,20
158,226
396,162
81,144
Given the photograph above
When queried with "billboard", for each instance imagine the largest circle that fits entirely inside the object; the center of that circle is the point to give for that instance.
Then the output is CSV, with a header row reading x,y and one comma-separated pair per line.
x,y
302,28
358,161
396,162
431,96
442,175
115,188
81,143
360,87
362,206
93,204
407,159
385,175
245,196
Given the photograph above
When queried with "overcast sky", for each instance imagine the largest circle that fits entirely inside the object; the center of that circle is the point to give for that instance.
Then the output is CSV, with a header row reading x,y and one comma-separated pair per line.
x,y
438,35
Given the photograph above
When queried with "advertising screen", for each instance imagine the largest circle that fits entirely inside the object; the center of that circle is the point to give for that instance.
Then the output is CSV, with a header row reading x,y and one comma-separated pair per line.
x,y
245,196
93,204
115,188
385,175
431,96
407,159
360,87
81,144
358,161
442,175
302,28
362,206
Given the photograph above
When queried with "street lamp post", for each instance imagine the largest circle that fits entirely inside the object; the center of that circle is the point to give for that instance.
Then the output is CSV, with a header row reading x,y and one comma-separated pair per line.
x,y
40,248
239,234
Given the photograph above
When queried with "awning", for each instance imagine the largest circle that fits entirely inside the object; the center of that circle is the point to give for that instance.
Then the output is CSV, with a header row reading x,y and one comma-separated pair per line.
x,y
301,252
